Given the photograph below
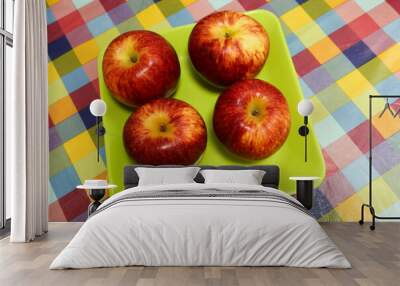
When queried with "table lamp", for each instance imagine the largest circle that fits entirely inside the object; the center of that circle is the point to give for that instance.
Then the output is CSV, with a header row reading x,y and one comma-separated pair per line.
x,y
305,108
98,108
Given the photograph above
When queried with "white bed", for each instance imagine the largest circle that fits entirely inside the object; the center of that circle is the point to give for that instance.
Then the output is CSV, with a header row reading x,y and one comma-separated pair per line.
x,y
185,230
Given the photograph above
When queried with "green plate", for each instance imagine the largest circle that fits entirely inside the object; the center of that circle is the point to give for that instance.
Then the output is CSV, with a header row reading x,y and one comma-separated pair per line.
x,y
278,70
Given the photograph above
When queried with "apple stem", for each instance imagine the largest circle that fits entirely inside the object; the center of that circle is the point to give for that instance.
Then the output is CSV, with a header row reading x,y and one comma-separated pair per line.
x,y
163,128
134,58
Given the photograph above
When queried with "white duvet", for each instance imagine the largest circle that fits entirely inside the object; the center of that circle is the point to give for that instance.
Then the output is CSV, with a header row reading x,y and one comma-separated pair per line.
x,y
200,231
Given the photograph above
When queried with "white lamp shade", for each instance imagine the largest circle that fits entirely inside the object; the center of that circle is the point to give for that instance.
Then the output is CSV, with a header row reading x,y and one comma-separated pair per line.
x,y
98,107
305,107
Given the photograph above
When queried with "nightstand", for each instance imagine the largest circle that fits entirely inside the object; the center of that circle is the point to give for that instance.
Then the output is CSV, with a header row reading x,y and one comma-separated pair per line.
x,y
304,190
97,190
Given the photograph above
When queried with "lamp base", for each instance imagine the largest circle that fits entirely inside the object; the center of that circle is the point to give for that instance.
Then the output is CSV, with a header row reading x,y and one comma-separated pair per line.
x,y
303,130
101,130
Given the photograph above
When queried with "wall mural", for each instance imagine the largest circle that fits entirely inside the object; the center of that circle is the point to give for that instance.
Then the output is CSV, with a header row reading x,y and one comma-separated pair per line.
x,y
342,51
237,108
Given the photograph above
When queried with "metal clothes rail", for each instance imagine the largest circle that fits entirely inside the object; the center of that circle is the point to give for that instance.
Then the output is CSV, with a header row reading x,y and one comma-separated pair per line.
x,y
370,202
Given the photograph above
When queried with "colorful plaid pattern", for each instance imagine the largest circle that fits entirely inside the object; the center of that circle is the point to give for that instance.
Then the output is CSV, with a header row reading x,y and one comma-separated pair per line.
x,y
342,50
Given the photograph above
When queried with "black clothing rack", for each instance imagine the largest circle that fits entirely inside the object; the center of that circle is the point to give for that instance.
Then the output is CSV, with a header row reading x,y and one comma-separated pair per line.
x,y
370,203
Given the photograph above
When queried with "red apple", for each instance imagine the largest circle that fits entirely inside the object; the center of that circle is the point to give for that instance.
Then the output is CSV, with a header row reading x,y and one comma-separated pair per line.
x,y
165,131
252,119
228,46
139,66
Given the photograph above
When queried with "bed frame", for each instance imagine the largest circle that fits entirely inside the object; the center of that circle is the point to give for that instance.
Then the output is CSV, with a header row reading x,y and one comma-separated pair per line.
x,y
271,177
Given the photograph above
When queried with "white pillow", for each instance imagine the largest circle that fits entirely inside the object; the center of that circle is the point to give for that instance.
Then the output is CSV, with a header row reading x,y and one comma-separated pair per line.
x,y
248,177
164,176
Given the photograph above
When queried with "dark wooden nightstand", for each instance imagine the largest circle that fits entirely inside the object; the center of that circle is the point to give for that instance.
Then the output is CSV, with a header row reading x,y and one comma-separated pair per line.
x,y
304,190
